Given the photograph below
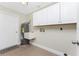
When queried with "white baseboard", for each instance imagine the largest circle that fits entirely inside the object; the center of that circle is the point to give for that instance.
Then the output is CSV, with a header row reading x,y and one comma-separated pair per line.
x,y
49,49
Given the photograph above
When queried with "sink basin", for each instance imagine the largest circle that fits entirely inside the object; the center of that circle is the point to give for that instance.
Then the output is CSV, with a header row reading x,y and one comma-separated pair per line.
x,y
29,35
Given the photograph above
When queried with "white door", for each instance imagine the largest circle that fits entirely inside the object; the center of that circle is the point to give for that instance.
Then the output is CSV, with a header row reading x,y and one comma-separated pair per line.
x,y
9,25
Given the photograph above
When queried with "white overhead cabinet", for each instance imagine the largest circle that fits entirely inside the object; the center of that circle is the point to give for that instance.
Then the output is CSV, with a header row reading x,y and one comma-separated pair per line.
x,y
59,13
68,12
46,16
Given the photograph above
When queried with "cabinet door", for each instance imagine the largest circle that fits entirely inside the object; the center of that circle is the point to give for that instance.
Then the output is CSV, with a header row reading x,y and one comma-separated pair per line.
x,y
35,19
43,16
68,12
40,17
53,14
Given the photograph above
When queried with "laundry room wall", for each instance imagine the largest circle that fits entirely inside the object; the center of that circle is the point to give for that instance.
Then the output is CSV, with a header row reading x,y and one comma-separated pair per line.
x,y
54,37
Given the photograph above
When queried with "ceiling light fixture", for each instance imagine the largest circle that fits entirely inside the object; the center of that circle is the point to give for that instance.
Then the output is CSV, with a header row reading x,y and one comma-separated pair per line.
x,y
24,2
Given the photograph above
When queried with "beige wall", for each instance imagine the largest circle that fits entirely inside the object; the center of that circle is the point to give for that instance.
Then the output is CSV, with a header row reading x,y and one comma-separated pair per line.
x,y
54,38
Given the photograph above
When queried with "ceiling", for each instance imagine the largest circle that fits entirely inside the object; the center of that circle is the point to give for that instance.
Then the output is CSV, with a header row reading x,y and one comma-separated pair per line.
x,y
25,8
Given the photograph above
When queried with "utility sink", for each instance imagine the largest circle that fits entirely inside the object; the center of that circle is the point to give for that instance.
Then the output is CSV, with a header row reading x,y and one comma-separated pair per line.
x,y
29,35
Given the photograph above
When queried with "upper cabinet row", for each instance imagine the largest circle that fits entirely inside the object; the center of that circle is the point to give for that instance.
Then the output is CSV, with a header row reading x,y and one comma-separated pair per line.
x,y
59,13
